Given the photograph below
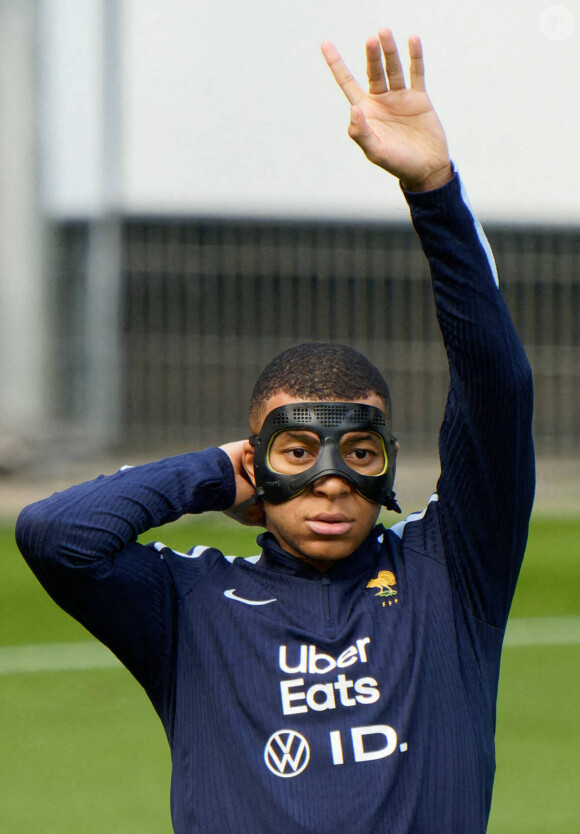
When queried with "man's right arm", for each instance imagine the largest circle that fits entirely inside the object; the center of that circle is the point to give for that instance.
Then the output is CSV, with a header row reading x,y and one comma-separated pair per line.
x,y
82,546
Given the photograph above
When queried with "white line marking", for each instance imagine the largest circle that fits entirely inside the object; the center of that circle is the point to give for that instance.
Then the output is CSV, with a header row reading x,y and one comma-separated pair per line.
x,y
56,657
87,655
543,631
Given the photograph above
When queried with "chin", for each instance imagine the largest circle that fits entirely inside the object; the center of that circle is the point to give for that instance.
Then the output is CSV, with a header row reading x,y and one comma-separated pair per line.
x,y
328,551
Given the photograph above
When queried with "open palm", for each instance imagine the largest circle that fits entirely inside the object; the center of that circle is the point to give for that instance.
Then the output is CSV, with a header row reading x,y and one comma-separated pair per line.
x,y
396,127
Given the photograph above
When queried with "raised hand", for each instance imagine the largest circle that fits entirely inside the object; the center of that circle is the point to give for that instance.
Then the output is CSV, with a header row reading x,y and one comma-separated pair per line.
x,y
396,127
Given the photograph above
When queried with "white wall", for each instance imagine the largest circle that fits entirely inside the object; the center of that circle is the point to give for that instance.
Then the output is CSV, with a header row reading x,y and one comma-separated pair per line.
x,y
23,345
70,105
230,108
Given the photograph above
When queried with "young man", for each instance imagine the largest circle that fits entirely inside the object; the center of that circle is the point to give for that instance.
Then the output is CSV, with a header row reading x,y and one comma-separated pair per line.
x,y
345,678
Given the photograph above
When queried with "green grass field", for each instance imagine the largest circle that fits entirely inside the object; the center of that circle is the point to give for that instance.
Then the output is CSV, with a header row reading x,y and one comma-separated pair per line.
x,y
84,753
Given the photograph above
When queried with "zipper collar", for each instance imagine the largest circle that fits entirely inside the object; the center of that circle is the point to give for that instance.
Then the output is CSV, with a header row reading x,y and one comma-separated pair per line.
x,y
360,561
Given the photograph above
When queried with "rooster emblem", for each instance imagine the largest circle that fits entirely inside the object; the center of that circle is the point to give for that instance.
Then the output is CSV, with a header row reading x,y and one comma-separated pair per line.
x,y
384,581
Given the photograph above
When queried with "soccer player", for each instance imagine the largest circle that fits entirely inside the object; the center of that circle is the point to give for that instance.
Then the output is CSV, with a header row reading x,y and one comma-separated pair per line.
x,y
344,679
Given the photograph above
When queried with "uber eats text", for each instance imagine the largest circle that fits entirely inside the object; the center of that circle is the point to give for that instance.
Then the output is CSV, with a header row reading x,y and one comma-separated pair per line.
x,y
345,690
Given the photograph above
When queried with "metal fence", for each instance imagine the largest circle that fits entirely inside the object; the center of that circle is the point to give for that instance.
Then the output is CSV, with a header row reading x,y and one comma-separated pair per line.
x,y
206,304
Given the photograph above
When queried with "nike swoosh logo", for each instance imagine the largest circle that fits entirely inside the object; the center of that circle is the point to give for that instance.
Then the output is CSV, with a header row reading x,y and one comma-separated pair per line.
x,y
231,594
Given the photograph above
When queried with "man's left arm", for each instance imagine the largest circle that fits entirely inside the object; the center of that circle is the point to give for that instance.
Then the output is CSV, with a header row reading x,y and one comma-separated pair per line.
x,y
487,483
487,478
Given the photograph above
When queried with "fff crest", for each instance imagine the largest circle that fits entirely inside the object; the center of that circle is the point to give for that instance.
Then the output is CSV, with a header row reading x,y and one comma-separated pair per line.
x,y
385,582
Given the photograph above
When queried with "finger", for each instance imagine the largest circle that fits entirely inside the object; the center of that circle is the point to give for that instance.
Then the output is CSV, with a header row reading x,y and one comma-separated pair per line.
x,y
375,69
342,75
417,64
395,74
363,135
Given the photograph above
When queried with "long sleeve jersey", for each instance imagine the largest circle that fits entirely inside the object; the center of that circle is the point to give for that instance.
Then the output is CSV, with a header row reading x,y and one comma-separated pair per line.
x,y
359,700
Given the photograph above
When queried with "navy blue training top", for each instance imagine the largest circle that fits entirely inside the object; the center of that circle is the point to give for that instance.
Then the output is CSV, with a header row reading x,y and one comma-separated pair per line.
x,y
361,700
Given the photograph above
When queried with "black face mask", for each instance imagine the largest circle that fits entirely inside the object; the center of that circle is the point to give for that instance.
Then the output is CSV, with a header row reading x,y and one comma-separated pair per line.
x,y
350,440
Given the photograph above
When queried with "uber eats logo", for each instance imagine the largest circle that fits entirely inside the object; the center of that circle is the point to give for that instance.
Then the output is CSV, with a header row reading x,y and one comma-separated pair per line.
x,y
287,752
297,698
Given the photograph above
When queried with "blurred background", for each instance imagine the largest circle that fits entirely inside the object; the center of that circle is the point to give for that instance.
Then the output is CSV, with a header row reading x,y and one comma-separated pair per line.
x,y
179,201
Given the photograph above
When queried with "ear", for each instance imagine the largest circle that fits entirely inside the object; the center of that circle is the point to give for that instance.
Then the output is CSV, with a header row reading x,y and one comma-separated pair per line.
x,y
248,461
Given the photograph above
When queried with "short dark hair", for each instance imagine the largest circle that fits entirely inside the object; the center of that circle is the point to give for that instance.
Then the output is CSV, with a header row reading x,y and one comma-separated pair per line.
x,y
318,371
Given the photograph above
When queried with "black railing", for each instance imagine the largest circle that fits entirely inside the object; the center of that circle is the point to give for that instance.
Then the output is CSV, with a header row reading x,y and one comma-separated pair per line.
x,y
206,304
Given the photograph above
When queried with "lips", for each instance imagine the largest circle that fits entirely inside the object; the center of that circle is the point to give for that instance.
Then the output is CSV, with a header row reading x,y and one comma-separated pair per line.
x,y
330,524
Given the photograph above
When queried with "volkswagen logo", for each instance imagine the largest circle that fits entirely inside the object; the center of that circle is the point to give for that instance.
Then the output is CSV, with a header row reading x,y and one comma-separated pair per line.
x,y
287,753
